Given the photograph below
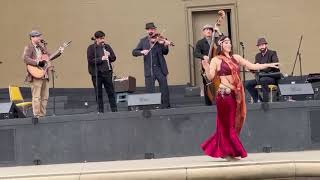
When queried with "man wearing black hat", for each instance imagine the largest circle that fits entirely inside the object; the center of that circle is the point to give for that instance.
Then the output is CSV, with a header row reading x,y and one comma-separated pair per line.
x,y
100,56
33,55
155,66
264,56
202,52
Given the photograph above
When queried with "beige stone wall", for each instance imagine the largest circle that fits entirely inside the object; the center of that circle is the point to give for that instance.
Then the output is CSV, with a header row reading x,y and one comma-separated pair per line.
x,y
280,21
123,22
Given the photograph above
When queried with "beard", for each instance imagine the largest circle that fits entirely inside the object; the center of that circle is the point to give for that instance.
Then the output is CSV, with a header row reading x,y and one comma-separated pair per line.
x,y
208,34
263,50
150,33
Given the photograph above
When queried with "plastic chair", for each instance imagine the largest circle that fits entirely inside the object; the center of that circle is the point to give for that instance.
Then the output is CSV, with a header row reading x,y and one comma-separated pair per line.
x,y
16,97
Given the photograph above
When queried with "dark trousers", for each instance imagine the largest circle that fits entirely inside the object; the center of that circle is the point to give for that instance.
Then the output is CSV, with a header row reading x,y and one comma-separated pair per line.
x,y
106,81
164,89
264,82
205,90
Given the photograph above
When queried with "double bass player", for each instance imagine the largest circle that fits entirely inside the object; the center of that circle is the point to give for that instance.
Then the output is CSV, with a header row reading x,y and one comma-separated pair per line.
x,y
205,51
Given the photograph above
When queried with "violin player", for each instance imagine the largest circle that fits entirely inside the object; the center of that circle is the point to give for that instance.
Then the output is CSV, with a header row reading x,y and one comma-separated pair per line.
x,y
153,51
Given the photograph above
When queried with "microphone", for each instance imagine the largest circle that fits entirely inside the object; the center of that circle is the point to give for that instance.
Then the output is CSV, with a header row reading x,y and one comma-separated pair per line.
x,y
93,38
0,62
43,42
241,44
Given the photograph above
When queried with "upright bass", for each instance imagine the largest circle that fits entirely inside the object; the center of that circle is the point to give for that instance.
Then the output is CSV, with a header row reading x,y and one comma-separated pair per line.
x,y
213,85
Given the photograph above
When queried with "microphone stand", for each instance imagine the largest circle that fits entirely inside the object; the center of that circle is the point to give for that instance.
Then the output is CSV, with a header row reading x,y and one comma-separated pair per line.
x,y
298,55
53,93
96,73
52,75
243,70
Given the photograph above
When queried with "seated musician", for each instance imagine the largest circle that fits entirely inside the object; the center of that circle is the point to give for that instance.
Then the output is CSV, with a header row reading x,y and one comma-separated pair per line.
x,y
264,56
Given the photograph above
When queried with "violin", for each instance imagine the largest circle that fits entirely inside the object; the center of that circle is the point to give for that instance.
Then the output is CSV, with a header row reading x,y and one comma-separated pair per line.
x,y
157,37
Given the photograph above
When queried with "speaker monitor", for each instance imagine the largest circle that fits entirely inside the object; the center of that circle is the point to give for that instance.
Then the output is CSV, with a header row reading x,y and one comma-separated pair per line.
x,y
10,111
297,91
316,89
143,100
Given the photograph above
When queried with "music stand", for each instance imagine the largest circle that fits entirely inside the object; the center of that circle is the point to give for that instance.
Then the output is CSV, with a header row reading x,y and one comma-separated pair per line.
x,y
298,55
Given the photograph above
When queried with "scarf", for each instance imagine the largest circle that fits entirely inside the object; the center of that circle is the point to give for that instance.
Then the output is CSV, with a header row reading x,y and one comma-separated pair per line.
x,y
239,92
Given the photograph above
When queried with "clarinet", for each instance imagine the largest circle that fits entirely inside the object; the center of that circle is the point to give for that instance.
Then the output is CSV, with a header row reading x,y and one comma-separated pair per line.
x,y
105,53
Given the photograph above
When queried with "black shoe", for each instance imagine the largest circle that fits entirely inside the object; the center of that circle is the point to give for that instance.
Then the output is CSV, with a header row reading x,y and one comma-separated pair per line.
x,y
165,106
114,110
208,103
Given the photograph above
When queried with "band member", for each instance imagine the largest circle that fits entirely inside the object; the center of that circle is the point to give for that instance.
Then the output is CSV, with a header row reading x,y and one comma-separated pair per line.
x,y
231,109
264,56
100,57
202,52
155,66
35,54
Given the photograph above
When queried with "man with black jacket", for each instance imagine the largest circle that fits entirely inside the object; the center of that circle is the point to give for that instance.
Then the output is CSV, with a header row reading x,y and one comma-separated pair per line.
x,y
99,56
202,51
155,66
264,56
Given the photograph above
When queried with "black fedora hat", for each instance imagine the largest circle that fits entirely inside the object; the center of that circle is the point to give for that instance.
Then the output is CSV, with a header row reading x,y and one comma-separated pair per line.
x,y
150,26
261,41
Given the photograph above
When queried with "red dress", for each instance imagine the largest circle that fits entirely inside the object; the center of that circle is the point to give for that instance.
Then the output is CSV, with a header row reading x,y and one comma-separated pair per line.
x,y
225,141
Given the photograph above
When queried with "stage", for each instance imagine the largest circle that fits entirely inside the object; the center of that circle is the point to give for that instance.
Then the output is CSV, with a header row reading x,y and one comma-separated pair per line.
x,y
160,133
265,166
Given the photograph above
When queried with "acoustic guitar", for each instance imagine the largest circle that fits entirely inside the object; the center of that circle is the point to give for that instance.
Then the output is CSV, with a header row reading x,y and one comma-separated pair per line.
x,y
39,72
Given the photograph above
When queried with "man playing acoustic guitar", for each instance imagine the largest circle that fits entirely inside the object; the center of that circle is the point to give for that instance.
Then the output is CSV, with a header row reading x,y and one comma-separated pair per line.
x,y
35,54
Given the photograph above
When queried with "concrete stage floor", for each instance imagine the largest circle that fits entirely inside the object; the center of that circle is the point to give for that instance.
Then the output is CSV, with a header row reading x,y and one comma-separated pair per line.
x,y
282,165
177,132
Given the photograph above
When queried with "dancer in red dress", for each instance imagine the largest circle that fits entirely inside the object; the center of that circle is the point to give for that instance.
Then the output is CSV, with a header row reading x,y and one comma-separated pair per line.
x,y
231,108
